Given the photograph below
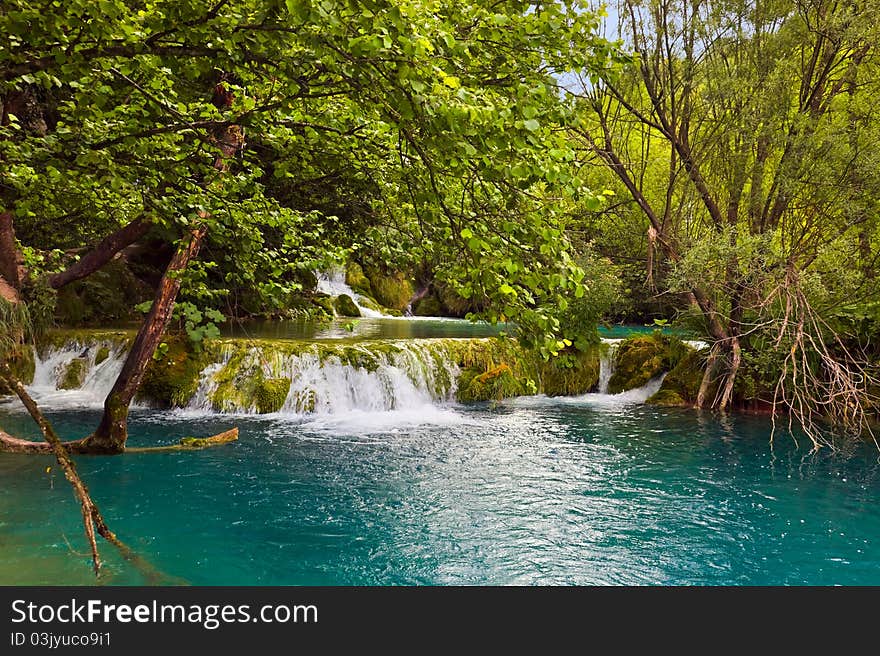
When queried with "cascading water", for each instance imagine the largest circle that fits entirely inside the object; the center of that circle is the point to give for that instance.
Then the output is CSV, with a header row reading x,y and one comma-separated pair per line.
x,y
386,383
404,380
94,380
607,354
333,284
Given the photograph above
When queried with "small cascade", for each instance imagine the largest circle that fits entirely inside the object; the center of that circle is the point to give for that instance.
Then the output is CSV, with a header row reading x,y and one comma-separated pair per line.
x,y
79,373
399,375
607,355
333,284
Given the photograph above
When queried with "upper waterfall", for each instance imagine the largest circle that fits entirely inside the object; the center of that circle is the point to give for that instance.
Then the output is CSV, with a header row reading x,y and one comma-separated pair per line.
x,y
332,283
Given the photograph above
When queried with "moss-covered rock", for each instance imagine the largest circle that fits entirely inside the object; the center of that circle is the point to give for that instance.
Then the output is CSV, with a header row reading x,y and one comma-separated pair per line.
x,y
345,306
304,401
325,304
84,338
641,358
392,291
357,280
498,368
495,384
102,354
429,306
74,374
172,376
367,302
271,393
571,373
682,383
667,397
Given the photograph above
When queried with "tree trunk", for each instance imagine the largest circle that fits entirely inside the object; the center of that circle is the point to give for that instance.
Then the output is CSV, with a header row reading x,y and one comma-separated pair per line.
x,y
707,375
730,376
112,432
102,253
9,253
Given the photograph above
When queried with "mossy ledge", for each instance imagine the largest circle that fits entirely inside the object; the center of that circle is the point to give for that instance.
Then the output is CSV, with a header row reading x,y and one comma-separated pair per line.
x,y
253,376
172,376
641,358
21,362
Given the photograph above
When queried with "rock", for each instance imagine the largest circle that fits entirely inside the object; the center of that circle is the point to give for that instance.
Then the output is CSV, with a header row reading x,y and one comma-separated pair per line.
x,y
357,280
639,359
21,361
682,383
271,393
571,373
345,306
429,306
74,374
392,291
171,380
102,354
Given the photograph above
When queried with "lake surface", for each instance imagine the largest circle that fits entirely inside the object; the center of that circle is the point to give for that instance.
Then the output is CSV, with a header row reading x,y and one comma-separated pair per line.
x,y
587,490
368,328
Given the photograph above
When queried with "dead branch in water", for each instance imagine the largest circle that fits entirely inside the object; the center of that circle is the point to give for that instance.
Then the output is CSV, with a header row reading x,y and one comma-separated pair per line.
x,y
93,520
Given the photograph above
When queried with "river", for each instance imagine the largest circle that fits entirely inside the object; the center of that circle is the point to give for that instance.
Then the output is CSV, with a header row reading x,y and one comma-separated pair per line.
x,y
589,490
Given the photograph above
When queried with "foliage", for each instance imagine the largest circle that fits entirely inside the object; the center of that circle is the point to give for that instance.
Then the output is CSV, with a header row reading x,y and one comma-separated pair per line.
x,y
198,325
593,301
417,131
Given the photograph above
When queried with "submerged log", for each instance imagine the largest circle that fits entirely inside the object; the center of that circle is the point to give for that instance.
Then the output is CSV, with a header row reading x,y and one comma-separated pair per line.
x,y
190,443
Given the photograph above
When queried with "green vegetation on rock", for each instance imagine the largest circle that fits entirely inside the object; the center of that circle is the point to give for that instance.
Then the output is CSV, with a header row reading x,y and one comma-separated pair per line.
x,y
74,374
102,354
355,278
172,377
21,361
345,306
682,384
391,290
429,306
271,394
641,358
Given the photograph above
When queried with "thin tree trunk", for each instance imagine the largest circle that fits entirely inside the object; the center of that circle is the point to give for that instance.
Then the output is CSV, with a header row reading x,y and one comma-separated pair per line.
x,y
9,254
90,513
707,375
112,432
730,376
102,253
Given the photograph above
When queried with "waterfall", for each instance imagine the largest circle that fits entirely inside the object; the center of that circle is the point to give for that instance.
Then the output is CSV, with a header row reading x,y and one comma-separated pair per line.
x,y
333,284
97,364
330,379
607,354
408,380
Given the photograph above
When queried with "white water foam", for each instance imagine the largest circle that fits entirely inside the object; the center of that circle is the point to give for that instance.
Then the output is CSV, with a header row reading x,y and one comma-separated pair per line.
x,y
631,397
51,365
411,378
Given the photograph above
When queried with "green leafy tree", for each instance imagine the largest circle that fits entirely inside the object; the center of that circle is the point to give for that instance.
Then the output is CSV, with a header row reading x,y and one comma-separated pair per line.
x,y
745,133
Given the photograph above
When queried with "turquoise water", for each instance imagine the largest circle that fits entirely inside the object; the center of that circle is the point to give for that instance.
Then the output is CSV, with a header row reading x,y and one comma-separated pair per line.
x,y
392,328
533,491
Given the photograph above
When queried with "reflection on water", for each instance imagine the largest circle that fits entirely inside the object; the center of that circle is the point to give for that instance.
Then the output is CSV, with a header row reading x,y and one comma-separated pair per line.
x,y
365,328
